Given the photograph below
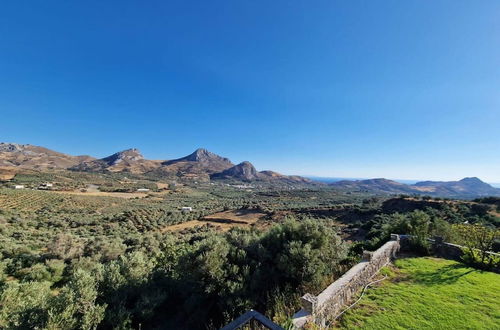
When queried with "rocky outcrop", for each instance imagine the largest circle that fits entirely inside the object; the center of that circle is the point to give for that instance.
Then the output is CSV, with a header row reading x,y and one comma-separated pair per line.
x,y
28,156
244,171
201,161
130,160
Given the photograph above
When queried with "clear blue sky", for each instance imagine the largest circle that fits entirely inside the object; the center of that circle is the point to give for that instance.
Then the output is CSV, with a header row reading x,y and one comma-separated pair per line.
x,y
398,89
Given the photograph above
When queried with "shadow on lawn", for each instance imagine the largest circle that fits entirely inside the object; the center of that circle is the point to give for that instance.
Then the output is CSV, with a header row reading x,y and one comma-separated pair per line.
x,y
444,275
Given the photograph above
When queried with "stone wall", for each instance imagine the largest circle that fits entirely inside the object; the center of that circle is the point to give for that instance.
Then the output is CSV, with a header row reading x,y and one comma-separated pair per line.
x,y
446,250
331,302
455,252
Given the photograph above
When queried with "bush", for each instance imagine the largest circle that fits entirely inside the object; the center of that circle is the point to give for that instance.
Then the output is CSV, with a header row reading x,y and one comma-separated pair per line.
x,y
478,241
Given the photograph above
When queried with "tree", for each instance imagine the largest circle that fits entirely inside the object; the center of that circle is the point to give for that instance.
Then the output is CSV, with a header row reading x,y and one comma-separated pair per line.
x,y
75,307
478,240
24,305
65,246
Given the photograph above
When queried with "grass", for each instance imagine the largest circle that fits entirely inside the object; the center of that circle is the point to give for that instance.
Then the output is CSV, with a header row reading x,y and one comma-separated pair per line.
x,y
429,293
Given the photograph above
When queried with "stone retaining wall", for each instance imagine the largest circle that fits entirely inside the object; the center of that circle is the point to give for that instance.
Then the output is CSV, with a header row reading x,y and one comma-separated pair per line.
x,y
447,250
331,302
456,252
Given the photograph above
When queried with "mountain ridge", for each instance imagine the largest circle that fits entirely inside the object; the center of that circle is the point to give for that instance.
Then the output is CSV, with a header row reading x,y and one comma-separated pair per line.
x,y
203,165
200,165
466,187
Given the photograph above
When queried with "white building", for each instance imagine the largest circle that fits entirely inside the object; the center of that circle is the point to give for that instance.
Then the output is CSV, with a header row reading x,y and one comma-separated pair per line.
x,y
46,186
186,209
142,190
19,186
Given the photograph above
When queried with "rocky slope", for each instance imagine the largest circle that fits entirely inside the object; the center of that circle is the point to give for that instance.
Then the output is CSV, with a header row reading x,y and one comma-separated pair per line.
x,y
244,171
34,157
201,165
200,162
130,160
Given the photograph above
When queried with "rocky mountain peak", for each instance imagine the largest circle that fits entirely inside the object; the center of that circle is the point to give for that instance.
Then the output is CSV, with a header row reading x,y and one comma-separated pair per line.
x,y
129,155
203,155
10,147
243,171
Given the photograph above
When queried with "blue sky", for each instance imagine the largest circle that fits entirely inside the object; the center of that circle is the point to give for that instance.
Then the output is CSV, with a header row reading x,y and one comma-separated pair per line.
x,y
397,89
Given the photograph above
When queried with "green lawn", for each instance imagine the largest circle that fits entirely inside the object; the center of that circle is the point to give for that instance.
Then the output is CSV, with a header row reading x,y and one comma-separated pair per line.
x,y
429,293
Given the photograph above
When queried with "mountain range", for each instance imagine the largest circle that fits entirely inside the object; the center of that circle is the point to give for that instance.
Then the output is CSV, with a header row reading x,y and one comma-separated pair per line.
x,y
465,188
203,165
200,165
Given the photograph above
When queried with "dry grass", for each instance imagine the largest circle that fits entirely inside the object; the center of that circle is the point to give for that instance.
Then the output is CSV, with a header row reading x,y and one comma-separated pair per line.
x,y
223,220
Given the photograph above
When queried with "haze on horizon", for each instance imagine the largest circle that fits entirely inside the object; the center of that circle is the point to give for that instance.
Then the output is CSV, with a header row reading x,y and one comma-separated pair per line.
x,y
394,89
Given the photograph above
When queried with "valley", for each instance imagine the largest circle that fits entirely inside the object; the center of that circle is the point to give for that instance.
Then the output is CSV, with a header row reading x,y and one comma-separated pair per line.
x,y
142,236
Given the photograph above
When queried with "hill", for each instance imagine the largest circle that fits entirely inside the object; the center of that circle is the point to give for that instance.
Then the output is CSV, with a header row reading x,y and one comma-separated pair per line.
x,y
374,186
198,165
130,160
201,165
245,171
35,157
465,188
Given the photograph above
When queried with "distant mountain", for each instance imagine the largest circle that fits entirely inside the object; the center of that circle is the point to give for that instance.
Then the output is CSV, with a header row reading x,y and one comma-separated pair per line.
x,y
374,186
244,171
270,175
201,165
130,160
465,188
201,162
34,157
202,156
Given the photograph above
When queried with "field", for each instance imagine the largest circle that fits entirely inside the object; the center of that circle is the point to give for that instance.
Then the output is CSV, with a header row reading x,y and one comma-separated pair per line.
x,y
429,293
223,220
103,194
